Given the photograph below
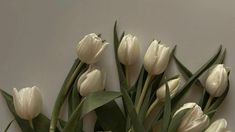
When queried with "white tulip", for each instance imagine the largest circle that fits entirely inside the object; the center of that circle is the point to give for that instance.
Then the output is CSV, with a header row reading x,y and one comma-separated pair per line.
x,y
27,102
217,81
173,89
129,50
219,125
90,48
194,120
92,80
156,58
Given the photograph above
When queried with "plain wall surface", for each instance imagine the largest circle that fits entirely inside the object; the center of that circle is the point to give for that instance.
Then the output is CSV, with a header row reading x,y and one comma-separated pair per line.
x,y
38,39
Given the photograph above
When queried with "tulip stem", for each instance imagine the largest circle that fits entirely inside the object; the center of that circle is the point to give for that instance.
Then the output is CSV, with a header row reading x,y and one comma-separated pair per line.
x,y
208,103
143,93
62,96
127,75
31,124
152,106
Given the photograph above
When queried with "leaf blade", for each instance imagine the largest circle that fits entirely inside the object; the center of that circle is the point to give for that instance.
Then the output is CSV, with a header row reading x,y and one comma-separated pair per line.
x,y
88,104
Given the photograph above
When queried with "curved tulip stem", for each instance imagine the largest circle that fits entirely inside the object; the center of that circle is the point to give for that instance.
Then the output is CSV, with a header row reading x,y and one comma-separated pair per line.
x,y
62,96
208,104
152,106
31,124
127,75
143,93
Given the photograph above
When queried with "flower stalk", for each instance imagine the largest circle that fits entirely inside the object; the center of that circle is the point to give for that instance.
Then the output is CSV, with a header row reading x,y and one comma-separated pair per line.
x,y
152,106
143,93
208,103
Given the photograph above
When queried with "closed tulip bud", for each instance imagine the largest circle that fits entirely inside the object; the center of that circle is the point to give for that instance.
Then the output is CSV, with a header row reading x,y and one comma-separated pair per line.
x,y
92,80
129,50
217,81
90,48
194,120
27,102
219,125
156,58
173,89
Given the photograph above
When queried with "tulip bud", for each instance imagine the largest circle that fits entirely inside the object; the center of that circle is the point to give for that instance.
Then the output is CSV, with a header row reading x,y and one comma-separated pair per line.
x,y
156,58
90,48
194,120
92,80
129,50
218,126
217,81
173,89
27,102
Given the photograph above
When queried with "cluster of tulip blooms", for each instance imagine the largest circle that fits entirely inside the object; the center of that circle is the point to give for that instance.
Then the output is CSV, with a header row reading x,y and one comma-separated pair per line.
x,y
153,100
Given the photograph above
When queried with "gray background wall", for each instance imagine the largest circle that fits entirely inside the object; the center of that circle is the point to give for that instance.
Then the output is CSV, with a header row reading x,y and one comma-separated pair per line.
x,y
38,39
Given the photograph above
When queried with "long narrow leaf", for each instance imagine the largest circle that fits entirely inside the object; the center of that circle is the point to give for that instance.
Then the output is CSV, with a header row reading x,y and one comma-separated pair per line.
x,y
193,78
74,98
129,106
167,110
8,126
74,71
139,85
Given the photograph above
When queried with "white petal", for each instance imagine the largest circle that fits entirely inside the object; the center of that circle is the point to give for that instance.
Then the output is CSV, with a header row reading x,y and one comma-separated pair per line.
x,y
35,102
17,103
218,126
150,57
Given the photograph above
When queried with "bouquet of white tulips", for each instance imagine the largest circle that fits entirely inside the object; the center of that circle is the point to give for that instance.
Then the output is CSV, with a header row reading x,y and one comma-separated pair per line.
x,y
152,103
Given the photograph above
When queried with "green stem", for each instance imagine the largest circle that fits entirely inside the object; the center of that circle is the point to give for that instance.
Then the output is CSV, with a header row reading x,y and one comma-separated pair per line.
x,y
143,93
152,106
62,96
75,116
31,124
208,104
127,75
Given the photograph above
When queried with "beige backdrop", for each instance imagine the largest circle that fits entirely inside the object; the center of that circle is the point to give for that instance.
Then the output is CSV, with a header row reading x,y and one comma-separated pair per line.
x,y
38,39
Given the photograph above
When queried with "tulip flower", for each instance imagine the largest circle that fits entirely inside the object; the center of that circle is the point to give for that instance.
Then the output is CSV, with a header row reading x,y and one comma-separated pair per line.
x,y
92,80
156,58
194,120
129,50
217,81
161,93
173,89
155,62
27,103
90,48
219,125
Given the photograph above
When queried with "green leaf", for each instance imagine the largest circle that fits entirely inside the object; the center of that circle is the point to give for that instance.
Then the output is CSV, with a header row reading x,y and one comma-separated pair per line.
x,y
74,71
193,78
74,98
41,123
145,105
167,110
110,117
8,126
220,60
185,71
129,107
176,120
139,85
62,123
188,74
88,104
